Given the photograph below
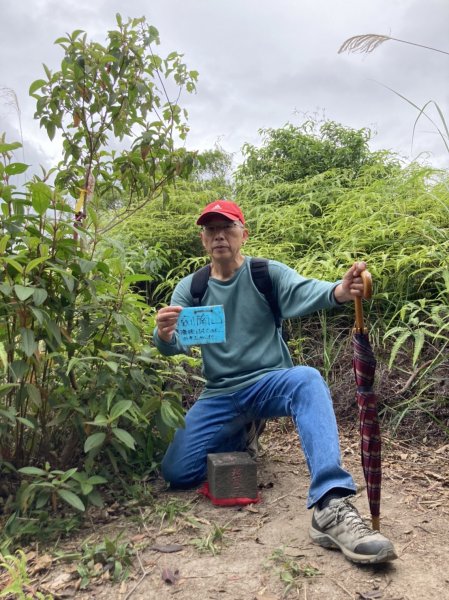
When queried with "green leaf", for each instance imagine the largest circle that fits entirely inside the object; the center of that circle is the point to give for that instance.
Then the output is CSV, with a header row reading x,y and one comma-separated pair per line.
x,y
119,408
10,261
77,33
72,362
51,130
9,147
169,416
3,360
69,474
41,196
32,471
9,414
96,499
97,480
36,85
125,437
112,365
134,333
47,71
397,345
94,441
18,369
135,278
42,499
23,293
72,499
28,342
86,488
16,168
54,332
86,265
419,343
26,422
39,296
38,314
69,281
33,393
100,420
4,242
6,289
153,37
34,263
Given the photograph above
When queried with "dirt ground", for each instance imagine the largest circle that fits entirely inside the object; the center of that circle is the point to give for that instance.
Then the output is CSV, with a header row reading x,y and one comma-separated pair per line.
x,y
265,547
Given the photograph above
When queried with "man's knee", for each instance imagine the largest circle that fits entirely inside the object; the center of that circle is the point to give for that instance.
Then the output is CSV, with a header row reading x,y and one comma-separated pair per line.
x,y
178,475
306,374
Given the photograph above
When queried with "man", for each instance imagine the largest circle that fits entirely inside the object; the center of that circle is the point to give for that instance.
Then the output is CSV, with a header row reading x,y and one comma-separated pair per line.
x,y
251,377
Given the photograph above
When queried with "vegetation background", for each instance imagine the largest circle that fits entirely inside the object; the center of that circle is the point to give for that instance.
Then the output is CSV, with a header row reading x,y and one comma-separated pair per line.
x,y
92,248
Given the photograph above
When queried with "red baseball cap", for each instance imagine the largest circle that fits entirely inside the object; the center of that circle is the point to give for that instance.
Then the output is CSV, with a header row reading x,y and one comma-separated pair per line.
x,y
223,208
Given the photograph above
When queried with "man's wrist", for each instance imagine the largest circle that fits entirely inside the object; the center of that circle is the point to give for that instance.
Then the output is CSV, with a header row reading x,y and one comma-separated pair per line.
x,y
167,339
339,294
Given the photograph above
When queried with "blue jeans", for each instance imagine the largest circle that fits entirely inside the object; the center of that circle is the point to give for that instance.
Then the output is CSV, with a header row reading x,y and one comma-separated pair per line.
x,y
218,425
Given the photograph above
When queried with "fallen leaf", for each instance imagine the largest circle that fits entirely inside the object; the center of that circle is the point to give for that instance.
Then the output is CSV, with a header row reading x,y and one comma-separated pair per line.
x,y
60,581
67,593
167,548
138,538
42,562
371,595
442,449
168,531
123,587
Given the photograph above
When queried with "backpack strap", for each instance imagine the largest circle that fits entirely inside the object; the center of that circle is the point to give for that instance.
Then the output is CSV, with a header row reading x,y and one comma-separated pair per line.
x,y
262,281
199,283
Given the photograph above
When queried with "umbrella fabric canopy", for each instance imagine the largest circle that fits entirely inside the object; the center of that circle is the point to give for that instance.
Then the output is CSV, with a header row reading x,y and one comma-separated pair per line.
x,y
364,365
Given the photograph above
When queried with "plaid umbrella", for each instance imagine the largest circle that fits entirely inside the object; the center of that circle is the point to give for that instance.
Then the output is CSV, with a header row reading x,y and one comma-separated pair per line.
x,y
364,365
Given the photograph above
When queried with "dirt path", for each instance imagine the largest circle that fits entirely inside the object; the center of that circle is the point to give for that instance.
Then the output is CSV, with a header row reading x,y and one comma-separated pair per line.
x,y
266,546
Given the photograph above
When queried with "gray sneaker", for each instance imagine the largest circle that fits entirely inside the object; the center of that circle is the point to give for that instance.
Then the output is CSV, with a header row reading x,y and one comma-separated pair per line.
x,y
253,431
339,525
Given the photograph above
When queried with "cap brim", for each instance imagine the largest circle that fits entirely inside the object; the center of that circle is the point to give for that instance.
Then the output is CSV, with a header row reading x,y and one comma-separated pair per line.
x,y
207,216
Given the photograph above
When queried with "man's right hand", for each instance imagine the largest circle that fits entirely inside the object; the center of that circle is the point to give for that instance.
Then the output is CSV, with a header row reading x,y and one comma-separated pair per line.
x,y
166,320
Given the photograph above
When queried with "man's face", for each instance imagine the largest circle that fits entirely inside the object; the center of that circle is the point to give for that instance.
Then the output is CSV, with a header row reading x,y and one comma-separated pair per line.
x,y
222,238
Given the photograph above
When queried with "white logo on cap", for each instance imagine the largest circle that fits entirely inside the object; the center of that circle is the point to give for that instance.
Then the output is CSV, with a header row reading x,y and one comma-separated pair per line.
x,y
218,206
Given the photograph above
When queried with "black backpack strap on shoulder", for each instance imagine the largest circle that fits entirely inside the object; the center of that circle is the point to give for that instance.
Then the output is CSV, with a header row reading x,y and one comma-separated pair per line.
x,y
199,283
262,281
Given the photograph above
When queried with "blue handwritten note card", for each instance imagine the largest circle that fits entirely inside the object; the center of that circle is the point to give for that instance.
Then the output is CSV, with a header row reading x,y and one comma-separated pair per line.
x,y
201,325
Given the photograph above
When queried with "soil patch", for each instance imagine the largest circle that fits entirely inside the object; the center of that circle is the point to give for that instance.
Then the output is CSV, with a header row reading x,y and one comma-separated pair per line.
x,y
263,551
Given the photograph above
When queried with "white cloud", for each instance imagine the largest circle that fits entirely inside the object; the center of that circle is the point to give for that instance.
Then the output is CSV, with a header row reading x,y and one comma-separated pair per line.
x,y
259,62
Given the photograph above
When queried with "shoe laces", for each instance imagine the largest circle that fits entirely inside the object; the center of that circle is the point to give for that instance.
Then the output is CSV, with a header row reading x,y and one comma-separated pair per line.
x,y
346,511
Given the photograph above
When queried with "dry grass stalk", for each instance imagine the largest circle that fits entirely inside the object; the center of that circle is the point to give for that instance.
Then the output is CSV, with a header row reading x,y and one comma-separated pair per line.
x,y
368,42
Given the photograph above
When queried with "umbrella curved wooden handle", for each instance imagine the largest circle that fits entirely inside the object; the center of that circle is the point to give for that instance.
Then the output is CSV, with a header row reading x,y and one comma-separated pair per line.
x,y
367,293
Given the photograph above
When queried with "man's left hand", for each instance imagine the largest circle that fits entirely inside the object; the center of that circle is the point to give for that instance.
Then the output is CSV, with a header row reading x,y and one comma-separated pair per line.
x,y
352,284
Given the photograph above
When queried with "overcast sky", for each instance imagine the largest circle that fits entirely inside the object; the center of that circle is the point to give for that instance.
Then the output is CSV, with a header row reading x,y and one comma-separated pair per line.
x,y
261,64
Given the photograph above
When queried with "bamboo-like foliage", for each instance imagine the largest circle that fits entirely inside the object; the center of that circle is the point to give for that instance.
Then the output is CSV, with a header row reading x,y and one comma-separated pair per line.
x,y
395,218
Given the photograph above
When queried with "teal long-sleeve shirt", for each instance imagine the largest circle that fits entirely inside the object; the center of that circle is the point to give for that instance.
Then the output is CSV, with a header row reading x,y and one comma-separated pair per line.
x,y
253,346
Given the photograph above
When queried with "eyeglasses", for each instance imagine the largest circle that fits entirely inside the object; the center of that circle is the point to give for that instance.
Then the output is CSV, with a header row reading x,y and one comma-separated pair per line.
x,y
225,227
